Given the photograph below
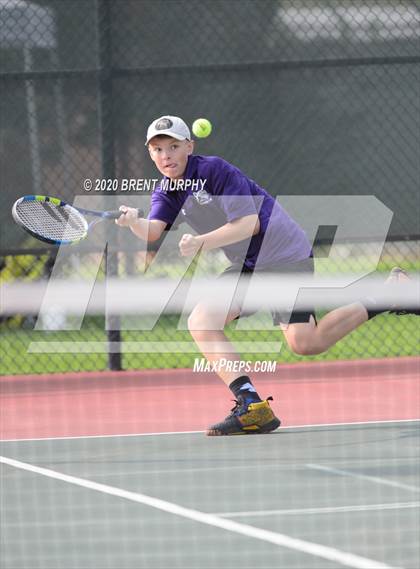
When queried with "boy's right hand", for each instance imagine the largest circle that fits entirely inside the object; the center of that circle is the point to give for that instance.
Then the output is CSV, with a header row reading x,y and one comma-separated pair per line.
x,y
128,216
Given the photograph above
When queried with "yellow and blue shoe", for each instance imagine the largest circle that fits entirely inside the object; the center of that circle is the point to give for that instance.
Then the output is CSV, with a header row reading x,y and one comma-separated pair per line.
x,y
247,419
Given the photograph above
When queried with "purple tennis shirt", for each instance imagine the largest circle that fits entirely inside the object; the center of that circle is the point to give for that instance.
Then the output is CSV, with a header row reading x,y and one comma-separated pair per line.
x,y
213,193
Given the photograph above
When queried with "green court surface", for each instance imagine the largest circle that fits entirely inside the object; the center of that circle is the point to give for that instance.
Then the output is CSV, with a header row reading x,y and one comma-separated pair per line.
x,y
325,496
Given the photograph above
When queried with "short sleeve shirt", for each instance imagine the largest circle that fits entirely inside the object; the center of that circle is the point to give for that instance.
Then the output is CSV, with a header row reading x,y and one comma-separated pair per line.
x,y
212,193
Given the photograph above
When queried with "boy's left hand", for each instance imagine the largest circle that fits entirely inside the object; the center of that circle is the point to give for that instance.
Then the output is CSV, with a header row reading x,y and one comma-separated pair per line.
x,y
189,244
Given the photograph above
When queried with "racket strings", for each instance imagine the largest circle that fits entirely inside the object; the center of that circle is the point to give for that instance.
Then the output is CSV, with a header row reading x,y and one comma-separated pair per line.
x,y
51,221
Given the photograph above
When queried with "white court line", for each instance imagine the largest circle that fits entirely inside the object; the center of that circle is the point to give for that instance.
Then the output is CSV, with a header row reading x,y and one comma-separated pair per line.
x,y
101,436
282,540
288,427
331,510
375,479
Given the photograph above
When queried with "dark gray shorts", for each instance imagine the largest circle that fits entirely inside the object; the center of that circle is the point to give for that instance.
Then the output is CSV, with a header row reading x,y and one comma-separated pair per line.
x,y
279,317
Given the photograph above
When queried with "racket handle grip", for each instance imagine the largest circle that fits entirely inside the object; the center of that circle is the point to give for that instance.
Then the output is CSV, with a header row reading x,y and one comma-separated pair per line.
x,y
117,213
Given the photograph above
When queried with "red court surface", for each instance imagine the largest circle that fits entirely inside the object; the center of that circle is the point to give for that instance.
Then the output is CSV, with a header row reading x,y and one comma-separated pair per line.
x,y
155,401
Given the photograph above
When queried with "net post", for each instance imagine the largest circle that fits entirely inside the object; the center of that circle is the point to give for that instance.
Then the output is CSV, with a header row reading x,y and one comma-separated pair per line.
x,y
113,331
106,130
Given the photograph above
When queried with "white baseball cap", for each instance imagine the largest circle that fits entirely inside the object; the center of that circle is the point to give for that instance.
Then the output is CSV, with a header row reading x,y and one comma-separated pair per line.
x,y
170,126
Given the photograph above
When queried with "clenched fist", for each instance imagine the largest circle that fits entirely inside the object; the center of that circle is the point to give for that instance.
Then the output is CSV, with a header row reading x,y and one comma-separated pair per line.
x,y
128,216
190,244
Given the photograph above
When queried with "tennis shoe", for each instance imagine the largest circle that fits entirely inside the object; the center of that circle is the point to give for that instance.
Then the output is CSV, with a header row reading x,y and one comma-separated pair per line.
x,y
398,275
247,419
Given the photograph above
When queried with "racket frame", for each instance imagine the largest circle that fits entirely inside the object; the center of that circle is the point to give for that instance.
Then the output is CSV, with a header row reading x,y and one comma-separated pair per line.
x,y
81,212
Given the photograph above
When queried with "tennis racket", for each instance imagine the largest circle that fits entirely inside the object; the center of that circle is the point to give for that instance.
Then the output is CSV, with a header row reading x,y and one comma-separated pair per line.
x,y
54,221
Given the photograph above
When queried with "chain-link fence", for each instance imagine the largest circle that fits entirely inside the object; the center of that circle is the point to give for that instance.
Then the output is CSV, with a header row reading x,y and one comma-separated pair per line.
x,y
307,98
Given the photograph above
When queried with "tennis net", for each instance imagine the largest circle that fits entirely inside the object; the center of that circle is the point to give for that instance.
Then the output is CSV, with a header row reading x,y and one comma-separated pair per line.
x,y
111,468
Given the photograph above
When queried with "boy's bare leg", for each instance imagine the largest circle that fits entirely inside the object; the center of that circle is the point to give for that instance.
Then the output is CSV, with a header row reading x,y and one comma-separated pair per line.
x,y
303,338
311,338
221,348
251,414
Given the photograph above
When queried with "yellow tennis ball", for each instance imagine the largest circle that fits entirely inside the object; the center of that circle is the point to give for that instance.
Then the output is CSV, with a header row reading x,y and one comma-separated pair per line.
x,y
201,128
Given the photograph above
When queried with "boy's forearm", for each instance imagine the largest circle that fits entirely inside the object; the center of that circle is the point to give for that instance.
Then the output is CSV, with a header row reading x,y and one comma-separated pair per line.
x,y
238,230
143,230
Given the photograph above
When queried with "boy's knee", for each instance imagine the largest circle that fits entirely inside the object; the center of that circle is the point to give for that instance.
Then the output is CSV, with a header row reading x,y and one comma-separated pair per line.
x,y
305,346
193,321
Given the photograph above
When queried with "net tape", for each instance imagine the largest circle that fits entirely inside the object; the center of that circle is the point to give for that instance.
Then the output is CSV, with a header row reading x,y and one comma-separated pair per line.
x,y
151,296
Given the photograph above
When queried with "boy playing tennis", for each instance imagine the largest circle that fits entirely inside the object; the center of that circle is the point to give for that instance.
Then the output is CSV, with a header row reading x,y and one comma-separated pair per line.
x,y
256,235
